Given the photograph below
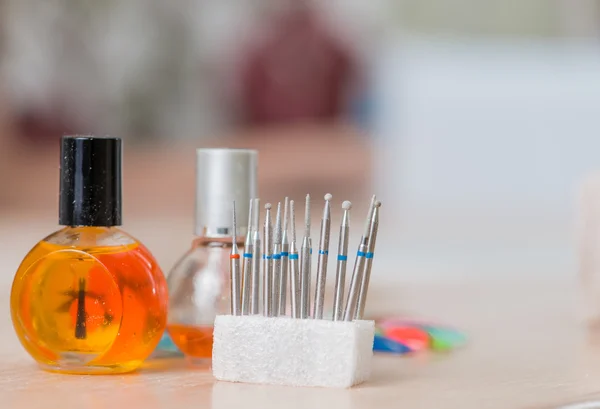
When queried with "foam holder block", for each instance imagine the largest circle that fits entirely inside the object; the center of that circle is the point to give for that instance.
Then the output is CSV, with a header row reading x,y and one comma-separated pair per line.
x,y
295,352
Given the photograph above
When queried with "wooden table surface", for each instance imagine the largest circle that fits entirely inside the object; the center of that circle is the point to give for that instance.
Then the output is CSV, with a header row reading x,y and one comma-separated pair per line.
x,y
526,349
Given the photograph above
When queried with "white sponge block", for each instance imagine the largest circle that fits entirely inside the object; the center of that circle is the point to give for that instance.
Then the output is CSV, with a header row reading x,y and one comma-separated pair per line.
x,y
296,352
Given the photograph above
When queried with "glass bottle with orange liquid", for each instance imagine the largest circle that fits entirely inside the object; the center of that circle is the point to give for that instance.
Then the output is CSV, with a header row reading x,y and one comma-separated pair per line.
x,y
199,282
89,298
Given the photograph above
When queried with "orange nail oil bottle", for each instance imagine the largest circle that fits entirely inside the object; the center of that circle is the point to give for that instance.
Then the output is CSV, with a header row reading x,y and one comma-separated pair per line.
x,y
89,298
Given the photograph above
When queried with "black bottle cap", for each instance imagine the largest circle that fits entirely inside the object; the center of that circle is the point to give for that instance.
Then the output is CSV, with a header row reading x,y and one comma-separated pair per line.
x,y
90,181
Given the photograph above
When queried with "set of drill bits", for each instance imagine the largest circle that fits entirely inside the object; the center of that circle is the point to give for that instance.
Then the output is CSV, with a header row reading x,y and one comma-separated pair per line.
x,y
283,269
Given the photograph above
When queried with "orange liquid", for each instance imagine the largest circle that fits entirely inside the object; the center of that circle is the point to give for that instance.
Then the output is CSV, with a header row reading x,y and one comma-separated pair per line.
x,y
89,310
194,342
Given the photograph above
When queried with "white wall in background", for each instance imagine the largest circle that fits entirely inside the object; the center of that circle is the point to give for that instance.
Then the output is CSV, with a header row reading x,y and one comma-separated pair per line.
x,y
482,146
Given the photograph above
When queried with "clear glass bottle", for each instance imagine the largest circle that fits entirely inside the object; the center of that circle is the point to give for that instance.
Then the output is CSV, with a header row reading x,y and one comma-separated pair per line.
x,y
199,291
199,283
89,298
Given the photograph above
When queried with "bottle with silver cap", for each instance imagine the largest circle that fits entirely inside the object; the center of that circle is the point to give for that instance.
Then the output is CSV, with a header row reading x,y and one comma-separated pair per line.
x,y
199,284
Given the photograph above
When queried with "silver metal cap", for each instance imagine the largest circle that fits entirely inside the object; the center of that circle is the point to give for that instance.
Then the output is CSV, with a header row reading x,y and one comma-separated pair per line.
x,y
222,176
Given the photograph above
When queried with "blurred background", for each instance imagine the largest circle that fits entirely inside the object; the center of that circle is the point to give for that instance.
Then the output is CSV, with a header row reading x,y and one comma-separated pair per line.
x,y
473,122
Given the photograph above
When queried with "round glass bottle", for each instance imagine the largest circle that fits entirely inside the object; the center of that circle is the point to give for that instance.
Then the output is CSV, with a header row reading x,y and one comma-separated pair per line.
x,y
199,291
89,298
199,282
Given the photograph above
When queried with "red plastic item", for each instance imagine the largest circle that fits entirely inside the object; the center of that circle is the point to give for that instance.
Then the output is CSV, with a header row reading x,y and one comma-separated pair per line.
x,y
414,338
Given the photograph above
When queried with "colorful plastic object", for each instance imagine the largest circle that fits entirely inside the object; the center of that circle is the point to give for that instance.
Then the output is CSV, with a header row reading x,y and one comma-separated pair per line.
x,y
383,344
401,336
166,348
416,339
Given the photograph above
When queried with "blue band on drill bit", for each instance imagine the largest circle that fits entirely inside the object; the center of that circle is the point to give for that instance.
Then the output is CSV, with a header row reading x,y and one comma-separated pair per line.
x,y
293,256
310,251
324,252
247,255
265,257
276,256
360,254
284,254
342,258
369,255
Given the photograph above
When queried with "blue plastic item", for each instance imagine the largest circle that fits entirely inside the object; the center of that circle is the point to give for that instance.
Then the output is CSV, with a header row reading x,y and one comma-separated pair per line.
x,y
383,344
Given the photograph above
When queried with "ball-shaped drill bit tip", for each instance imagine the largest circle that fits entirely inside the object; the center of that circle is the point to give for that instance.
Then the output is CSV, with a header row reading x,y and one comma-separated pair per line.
x,y
347,205
268,206
328,197
377,204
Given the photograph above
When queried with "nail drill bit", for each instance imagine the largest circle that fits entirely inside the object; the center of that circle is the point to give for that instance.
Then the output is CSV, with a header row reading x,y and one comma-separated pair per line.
x,y
322,259
340,273
351,303
305,254
364,284
256,246
267,262
285,248
247,271
234,268
295,282
276,263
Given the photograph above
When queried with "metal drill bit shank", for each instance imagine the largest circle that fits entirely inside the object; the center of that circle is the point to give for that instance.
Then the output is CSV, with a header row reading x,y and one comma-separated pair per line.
x,y
234,268
305,254
295,281
322,259
351,303
285,248
364,284
340,273
267,262
247,271
256,246
276,264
